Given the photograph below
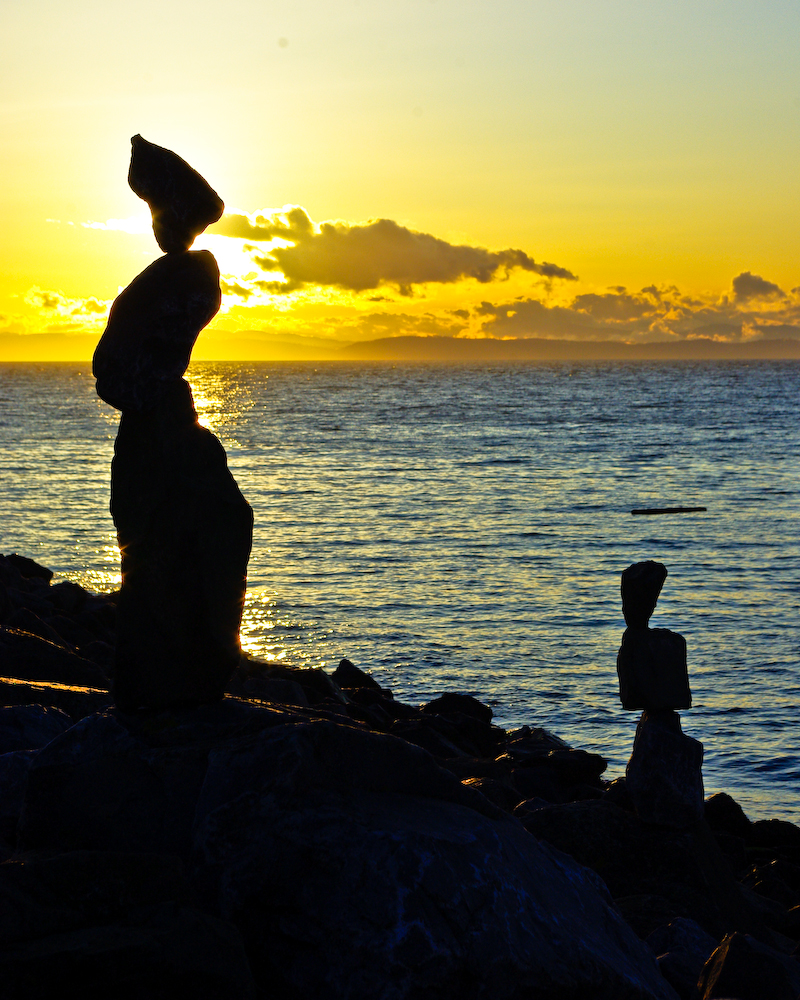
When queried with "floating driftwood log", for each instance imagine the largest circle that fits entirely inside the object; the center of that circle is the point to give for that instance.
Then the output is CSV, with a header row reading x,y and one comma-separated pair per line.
x,y
669,510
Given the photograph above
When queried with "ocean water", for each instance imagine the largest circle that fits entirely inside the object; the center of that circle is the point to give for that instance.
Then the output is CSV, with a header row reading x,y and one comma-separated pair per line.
x,y
465,528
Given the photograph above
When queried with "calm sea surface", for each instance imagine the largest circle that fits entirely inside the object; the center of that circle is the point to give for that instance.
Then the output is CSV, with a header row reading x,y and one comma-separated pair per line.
x,y
465,528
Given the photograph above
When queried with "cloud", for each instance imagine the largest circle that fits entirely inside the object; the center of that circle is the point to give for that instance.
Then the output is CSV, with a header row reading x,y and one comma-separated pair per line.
x,y
532,318
62,305
234,287
291,223
43,299
748,286
358,257
372,326
617,304
653,314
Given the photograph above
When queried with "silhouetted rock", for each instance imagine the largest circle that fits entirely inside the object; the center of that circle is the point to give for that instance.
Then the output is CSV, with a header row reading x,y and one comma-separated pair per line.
x,y
722,813
501,793
158,953
14,769
540,782
774,833
747,969
641,585
348,675
75,701
69,631
29,568
684,867
24,620
29,657
348,862
463,704
664,778
7,608
682,948
68,597
182,202
379,921
152,327
183,527
275,689
652,670
185,533
29,727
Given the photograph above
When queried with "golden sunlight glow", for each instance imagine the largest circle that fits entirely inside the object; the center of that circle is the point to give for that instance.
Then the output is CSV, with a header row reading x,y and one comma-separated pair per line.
x,y
659,171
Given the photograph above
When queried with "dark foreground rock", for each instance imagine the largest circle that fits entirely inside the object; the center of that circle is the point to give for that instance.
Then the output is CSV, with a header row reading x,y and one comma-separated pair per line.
x,y
134,934
306,844
347,862
654,874
747,969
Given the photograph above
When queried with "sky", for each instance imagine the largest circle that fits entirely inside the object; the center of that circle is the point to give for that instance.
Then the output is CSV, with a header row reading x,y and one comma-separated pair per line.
x,y
575,169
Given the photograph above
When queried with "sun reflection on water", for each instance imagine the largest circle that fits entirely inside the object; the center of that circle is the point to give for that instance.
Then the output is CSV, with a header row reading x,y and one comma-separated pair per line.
x,y
102,575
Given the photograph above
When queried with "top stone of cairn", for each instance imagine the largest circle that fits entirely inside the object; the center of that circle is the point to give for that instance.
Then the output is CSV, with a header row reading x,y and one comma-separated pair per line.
x,y
181,201
641,585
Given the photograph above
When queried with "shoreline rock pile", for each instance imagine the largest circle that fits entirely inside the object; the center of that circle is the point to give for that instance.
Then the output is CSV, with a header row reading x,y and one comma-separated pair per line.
x,y
312,834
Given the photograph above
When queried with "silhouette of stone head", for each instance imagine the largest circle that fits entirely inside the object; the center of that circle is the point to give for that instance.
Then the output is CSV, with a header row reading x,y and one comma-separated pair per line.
x,y
182,202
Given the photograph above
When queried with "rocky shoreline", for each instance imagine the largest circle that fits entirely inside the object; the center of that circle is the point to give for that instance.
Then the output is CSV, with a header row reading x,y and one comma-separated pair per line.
x,y
311,835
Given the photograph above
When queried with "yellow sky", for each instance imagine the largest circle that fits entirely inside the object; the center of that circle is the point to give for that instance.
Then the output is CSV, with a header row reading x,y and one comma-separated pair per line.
x,y
633,145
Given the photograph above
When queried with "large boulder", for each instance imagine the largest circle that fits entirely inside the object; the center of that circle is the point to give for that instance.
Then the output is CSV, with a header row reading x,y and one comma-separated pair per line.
x,y
349,862
747,969
680,872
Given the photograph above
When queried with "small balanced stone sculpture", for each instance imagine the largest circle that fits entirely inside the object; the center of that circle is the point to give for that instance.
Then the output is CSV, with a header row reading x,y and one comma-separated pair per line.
x,y
184,528
663,778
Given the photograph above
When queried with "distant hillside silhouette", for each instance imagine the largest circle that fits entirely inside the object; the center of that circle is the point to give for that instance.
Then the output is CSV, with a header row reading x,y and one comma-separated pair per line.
x,y
260,345
455,350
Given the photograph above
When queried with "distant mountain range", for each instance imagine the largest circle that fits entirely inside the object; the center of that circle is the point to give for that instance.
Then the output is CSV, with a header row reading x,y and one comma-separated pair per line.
x,y
256,345
455,350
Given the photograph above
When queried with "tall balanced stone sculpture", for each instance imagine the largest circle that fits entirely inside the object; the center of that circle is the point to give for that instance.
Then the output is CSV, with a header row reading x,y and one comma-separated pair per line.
x,y
663,778
184,529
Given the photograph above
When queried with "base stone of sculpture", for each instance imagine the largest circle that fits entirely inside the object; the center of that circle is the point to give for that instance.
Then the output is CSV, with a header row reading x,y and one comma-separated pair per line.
x,y
664,776
185,532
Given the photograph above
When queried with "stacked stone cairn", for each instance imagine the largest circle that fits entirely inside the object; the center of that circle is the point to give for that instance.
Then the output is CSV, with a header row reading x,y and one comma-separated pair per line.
x,y
663,778
184,528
